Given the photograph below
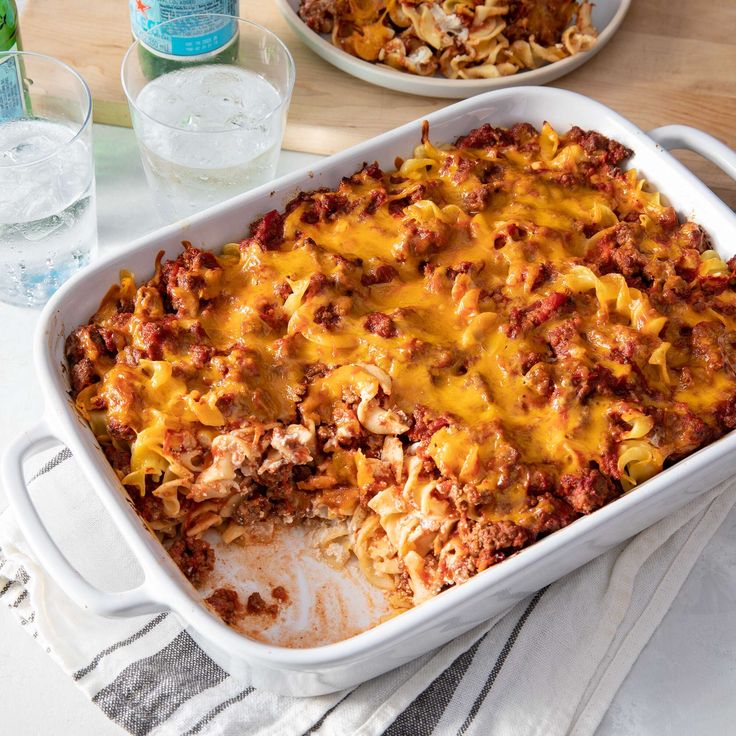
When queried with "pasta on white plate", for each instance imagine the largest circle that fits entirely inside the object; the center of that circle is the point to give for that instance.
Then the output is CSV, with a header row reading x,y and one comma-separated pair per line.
x,y
459,39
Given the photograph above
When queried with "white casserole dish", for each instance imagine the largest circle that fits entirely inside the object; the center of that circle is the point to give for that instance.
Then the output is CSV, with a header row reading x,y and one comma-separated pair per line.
x,y
323,669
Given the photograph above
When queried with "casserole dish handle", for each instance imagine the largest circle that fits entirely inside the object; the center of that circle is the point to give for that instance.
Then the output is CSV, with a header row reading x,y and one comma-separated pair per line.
x,y
125,603
672,137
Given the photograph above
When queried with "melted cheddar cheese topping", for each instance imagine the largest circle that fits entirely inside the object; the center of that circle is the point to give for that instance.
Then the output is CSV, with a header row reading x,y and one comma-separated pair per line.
x,y
446,361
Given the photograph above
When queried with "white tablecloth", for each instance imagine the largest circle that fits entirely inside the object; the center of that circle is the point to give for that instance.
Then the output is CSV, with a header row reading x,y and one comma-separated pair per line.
x,y
683,683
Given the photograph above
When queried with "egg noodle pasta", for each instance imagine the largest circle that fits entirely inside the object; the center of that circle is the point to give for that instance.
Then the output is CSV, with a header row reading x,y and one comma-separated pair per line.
x,y
460,39
431,367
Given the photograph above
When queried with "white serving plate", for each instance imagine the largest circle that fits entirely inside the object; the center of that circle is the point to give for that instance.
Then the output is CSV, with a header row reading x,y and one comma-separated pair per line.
x,y
607,18
323,669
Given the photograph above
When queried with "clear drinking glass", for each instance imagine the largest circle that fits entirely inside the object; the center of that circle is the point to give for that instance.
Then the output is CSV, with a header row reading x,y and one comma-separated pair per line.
x,y
48,227
208,127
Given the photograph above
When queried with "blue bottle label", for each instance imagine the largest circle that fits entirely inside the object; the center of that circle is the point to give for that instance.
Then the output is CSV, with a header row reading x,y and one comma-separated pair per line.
x,y
11,89
189,36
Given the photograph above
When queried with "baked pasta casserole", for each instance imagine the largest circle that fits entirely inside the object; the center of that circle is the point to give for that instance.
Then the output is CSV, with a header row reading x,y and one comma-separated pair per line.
x,y
432,367
459,39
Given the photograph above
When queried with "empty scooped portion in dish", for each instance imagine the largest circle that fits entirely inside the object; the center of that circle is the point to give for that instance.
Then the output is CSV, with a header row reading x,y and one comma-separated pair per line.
x,y
457,39
283,589
419,373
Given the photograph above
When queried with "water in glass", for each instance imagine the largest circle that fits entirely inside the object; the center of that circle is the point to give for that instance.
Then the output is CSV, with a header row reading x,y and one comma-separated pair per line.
x,y
47,213
233,112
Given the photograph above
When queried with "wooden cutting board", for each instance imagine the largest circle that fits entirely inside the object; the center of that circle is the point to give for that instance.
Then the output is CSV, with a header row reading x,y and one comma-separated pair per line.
x,y
671,62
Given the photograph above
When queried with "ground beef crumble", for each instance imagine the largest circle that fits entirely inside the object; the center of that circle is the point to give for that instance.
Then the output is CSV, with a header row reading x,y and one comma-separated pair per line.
x,y
194,557
227,605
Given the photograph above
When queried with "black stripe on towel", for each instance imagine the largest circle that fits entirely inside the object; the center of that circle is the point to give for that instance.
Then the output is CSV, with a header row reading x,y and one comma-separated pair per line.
x,y
19,599
319,723
423,714
503,655
200,724
21,578
147,692
29,620
7,587
79,674
58,459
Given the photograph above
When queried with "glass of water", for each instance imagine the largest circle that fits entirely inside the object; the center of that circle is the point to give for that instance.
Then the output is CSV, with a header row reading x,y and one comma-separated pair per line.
x,y
209,124
48,227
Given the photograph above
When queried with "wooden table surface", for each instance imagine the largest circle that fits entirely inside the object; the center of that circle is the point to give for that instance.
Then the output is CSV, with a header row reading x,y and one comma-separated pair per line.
x,y
672,61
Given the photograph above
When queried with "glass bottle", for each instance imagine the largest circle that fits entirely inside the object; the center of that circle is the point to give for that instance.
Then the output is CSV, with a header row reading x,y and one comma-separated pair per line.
x,y
205,40
12,99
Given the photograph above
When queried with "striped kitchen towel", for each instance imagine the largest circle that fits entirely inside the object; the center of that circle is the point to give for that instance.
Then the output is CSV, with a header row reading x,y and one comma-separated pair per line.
x,y
549,666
